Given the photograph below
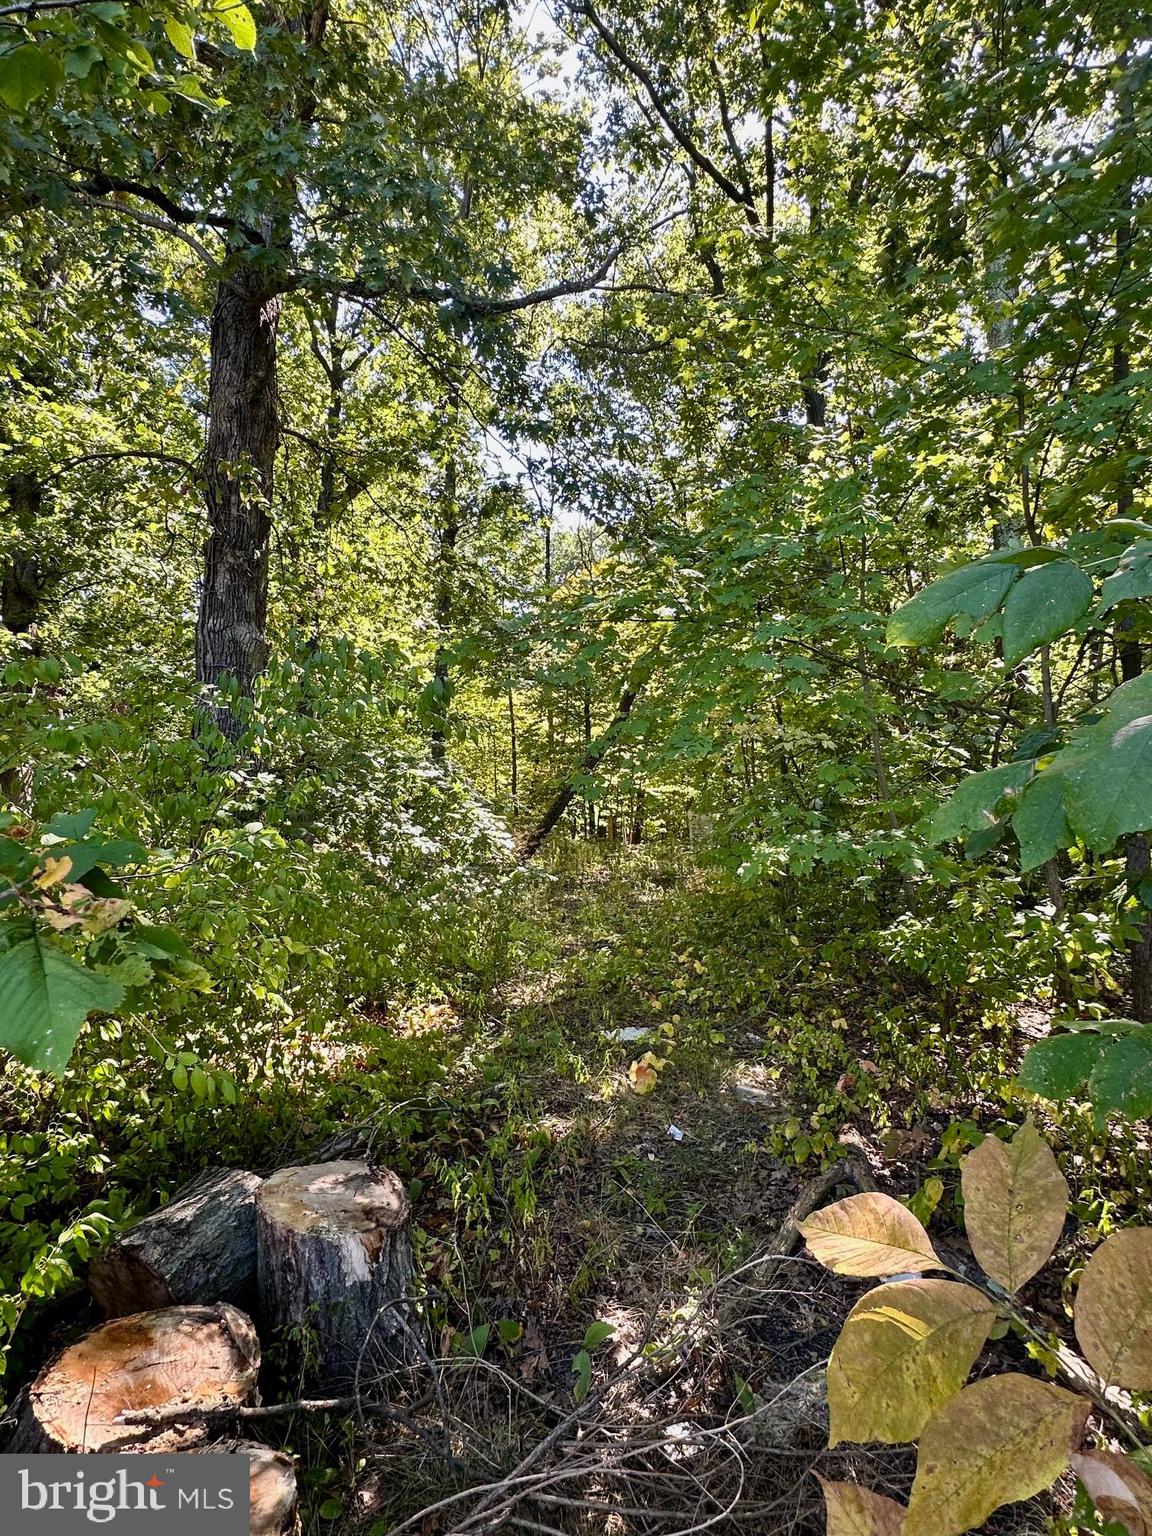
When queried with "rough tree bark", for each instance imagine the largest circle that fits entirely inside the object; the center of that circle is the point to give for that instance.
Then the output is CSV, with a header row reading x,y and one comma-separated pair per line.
x,y
334,1254
272,1496
239,459
201,1357
200,1247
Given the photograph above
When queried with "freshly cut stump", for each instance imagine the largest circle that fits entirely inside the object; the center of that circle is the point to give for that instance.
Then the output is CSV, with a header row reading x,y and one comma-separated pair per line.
x,y
334,1255
204,1357
200,1247
272,1487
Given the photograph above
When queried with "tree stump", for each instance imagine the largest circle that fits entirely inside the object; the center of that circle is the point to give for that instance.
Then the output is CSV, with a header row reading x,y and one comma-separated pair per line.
x,y
200,1247
272,1488
205,1357
334,1256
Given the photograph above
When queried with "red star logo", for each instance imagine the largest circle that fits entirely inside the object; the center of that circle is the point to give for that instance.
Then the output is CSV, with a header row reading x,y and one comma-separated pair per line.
x,y
154,1482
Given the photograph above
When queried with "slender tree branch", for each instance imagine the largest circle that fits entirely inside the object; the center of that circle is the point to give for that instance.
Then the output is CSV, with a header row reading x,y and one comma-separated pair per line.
x,y
641,75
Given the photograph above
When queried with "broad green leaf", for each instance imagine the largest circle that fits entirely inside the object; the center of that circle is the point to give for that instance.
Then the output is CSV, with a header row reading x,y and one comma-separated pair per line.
x,y
1001,1439
239,21
1132,579
1040,822
1043,605
1119,1489
856,1511
1121,1080
582,1371
475,1343
974,590
87,855
904,1350
1026,559
1015,1202
597,1334
1109,791
70,826
26,73
44,999
1114,1309
869,1234
1055,1068
181,37
973,806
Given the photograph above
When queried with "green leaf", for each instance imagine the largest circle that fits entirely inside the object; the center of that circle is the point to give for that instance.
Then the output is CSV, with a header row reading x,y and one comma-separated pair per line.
x,y
973,805
44,999
331,1509
582,1370
181,37
1055,1068
1040,821
87,855
1109,791
239,21
598,1333
1132,579
70,826
1043,605
974,590
26,73
1025,559
476,1342
1121,1081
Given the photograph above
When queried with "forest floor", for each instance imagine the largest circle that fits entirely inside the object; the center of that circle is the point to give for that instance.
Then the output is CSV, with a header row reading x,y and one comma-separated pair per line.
x,y
552,1198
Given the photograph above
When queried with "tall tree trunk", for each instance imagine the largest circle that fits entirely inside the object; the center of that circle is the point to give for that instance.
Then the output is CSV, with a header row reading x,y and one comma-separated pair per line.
x,y
1137,858
514,782
448,537
239,462
22,579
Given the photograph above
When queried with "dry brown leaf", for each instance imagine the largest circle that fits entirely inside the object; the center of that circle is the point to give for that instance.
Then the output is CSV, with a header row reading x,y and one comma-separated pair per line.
x,y
903,1352
869,1234
1114,1309
1118,1488
1015,1202
999,1440
855,1511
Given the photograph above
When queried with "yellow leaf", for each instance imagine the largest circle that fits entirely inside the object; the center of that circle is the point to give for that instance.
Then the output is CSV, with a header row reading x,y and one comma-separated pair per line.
x,y
999,1440
855,1511
53,872
904,1350
1015,1202
869,1234
1118,1488
1114,1309
645,1073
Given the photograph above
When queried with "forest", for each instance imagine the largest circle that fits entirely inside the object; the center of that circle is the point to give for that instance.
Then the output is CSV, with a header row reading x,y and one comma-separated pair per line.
x,y
576,760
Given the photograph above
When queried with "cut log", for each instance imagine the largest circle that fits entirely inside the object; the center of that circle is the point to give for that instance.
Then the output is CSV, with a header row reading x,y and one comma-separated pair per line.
x,y
334,1255
199,1356
272,1487
200,1247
